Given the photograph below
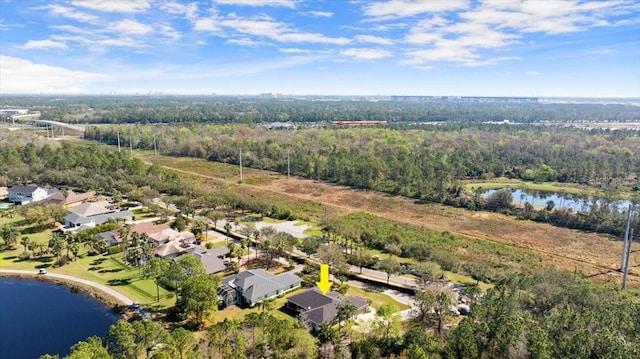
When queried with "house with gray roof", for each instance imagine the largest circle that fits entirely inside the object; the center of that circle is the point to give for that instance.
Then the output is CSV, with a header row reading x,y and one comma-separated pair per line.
x,y
90,214
213,259
314,308
253,286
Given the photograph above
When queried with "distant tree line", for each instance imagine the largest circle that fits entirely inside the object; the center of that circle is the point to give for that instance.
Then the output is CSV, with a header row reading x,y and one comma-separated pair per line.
x,y
220,110
423,162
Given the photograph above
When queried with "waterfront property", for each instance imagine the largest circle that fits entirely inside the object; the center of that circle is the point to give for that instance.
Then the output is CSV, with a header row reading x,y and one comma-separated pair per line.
x,y
253,286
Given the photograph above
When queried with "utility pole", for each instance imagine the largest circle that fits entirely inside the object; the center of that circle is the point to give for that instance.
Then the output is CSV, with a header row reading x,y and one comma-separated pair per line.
x,y
625,239
130,147
626,262
288,165
240,164
118,141
155,149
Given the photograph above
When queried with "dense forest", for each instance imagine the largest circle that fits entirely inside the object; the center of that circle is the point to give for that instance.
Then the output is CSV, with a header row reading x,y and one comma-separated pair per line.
x,y
248,110
422,162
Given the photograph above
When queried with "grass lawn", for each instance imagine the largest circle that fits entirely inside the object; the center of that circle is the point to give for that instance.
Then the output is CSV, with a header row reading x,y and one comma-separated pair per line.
x,y
235,312
142,213
100,269
465,279
377,299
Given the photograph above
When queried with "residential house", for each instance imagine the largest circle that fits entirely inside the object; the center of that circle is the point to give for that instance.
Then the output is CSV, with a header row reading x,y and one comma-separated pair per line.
x,y
4,192
90,214
112,238
167,234
213,259
253,286
27,194
70,199
314,308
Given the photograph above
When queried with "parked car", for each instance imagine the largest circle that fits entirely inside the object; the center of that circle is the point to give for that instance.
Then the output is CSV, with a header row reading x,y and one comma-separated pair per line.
x,y
42,271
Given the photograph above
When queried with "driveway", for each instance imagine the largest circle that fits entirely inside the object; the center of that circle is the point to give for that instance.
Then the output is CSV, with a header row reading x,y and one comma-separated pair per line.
x,y
287,227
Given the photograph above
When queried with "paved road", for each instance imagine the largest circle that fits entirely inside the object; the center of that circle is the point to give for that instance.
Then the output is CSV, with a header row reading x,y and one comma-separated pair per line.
x,y
103,288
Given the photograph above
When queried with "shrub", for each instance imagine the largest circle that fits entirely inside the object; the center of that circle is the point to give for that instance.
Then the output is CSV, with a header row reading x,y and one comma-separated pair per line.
x,y
115,249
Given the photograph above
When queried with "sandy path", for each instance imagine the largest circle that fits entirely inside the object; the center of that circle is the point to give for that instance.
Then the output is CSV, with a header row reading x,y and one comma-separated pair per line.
x,y
103,288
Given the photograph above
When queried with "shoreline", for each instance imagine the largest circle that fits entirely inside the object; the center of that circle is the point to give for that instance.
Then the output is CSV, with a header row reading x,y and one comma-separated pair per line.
x,y
92,291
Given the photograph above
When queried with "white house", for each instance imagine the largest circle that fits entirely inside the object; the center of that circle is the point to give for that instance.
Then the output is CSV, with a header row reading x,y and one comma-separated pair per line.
x,y
90,214
27,194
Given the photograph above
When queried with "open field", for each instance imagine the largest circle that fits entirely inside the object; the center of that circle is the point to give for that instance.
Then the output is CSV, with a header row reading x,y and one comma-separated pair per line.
x,y
487,235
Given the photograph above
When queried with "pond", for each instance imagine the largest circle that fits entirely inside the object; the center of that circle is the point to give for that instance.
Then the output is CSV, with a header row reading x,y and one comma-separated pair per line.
x,y
560,200
42,317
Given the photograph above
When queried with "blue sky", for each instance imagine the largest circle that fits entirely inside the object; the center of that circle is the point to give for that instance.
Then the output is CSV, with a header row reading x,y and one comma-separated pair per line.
x,y
337,47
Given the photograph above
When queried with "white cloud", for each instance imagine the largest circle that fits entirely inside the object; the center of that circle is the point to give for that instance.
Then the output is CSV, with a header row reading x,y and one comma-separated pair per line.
x,y
403,8
190,10
373,39
245,41
43,45
280,32
23,76
127,6
206,24
496,24
600,52
293,50
366,54
131,27
451,54
489,62
317,13
283,3
70,13
168,31
531,73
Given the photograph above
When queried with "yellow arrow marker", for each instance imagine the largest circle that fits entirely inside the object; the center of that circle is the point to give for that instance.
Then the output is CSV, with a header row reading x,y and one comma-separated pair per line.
x,y
324,283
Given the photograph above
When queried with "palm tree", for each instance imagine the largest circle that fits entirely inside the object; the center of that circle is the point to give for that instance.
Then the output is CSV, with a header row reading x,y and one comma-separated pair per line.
x,y
124,232
25,242
75,249
9,235
345,311
227,228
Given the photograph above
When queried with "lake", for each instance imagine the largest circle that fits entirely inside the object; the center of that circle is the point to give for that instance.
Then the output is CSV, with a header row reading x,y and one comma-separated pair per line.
x,y
42,317
560,200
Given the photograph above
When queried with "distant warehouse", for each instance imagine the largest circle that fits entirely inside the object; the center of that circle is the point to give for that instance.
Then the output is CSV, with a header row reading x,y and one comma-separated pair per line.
x,y
359,123
13,111
476,99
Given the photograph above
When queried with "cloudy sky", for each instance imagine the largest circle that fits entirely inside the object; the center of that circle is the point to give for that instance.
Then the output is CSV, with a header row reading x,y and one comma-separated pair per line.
x,y
367,47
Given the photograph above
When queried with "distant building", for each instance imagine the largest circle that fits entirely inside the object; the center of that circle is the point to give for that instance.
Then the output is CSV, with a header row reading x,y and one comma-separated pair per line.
x,y
13,111
27,194
279,126
359,123
479,99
